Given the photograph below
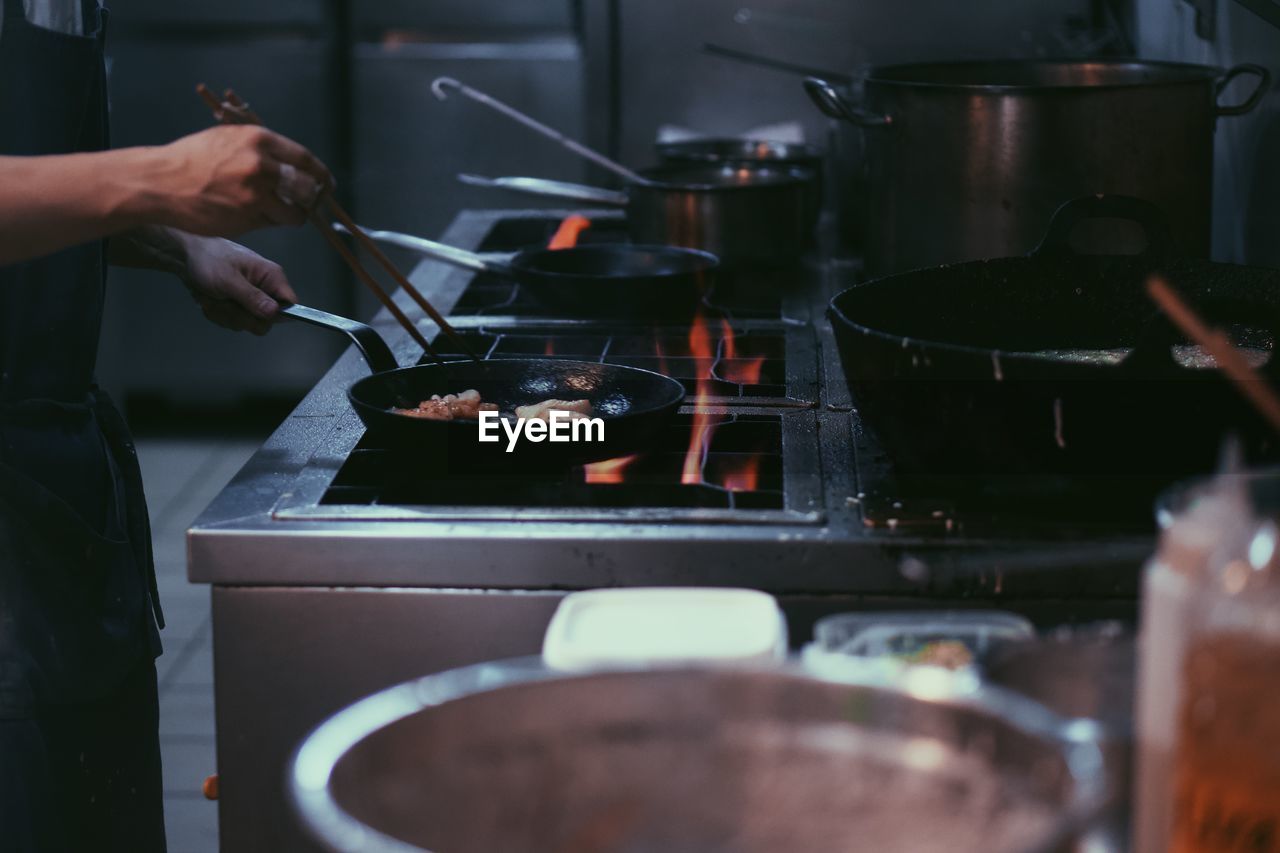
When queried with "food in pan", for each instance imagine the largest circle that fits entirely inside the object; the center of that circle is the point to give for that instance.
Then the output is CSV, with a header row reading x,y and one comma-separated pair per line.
x,y
542,411
466,406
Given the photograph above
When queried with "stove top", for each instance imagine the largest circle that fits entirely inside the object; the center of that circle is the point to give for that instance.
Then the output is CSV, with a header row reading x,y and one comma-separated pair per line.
x,y
766,478
738,474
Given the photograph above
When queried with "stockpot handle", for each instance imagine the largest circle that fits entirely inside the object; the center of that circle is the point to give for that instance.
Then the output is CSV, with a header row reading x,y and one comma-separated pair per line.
x,y
826,97
1057,239
1264,83
367,341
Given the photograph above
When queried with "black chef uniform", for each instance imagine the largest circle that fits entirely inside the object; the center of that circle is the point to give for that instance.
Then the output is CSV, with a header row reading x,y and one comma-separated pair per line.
x,y
79,752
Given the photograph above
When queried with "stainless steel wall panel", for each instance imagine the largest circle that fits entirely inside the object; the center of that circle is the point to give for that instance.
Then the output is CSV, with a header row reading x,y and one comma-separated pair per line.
x,y
469,16
156,341
409,146
661,75
167,13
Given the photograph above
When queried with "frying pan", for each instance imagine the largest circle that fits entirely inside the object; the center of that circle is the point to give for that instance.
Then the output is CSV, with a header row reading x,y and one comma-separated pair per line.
x,y
745,215
617,280
960,370
634,404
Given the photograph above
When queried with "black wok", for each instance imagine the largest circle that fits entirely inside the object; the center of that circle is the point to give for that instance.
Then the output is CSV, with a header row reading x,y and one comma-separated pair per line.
x,y
963,372
634,404
615,280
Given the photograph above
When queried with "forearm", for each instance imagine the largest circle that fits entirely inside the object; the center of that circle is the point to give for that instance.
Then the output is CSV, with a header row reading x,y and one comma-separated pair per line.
x,y
155,247
51,202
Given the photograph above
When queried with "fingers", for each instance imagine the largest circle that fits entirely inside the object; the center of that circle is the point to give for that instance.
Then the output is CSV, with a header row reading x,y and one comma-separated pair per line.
x,y
294,186
269,277
231,316
287,151
280,211
254,287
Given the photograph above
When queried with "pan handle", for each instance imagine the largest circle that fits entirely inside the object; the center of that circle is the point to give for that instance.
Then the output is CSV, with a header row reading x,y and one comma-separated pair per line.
x,y
1247,105
370,343
1057,239
549,189
825,96
776,64
432,249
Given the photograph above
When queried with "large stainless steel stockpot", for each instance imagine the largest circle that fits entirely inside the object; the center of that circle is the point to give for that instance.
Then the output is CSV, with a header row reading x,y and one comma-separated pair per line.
x,y
969,160
511,756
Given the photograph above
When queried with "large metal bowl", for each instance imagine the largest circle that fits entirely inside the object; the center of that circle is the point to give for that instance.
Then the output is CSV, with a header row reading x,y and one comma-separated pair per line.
x,y
512,757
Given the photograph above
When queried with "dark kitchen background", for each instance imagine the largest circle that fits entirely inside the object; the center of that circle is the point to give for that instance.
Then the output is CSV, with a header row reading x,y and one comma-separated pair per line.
x,y
351,81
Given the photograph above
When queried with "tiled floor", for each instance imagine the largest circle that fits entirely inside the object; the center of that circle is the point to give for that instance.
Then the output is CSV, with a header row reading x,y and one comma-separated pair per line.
x,y
182,476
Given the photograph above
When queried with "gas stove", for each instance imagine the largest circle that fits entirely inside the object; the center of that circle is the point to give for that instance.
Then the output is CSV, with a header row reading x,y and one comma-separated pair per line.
x,y
340,566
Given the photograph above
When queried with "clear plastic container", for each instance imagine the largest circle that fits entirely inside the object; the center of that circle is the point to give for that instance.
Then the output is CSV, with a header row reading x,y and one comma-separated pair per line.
x,y
954,639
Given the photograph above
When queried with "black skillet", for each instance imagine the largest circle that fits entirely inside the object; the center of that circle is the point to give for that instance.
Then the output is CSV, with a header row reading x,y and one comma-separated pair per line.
x,y
949,368
634,404
615,280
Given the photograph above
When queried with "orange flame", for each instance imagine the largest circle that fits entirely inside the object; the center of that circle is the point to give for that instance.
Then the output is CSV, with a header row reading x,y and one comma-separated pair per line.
x,y
704,357
731,368
743,477
550,348
608,471
566,236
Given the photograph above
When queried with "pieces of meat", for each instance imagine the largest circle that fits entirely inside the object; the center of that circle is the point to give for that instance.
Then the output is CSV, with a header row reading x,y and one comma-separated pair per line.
x,y
542,411
466,406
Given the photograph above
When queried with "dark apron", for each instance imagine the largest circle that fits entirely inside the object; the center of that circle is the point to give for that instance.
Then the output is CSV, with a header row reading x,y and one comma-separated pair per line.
x,y
78,601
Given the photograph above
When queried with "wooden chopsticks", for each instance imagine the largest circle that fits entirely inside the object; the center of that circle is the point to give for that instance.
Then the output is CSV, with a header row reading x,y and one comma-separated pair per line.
x,y
1218,345
233,110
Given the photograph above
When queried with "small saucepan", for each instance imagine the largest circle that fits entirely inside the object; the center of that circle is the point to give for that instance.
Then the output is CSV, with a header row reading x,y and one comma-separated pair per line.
x,y
752,154
634,404
745,215
615,280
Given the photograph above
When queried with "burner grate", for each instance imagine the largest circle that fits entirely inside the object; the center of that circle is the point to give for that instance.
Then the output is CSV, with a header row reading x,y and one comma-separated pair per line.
x,y
757,369
742,469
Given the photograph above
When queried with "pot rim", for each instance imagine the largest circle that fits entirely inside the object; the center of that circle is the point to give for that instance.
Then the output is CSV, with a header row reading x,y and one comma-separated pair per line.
x,y
770,175
910,76
313,763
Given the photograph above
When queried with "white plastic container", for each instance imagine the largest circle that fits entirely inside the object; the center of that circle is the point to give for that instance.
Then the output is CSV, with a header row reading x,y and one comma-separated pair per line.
x,y
650,626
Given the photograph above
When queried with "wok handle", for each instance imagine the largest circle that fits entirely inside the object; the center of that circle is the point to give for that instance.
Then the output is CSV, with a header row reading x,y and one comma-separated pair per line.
x,y
1247,105
826,98
371,345
549,189
432,249
1057,239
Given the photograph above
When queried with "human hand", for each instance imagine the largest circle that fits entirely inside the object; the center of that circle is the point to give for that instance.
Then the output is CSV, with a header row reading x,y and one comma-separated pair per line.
x,y
233,178
235,287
